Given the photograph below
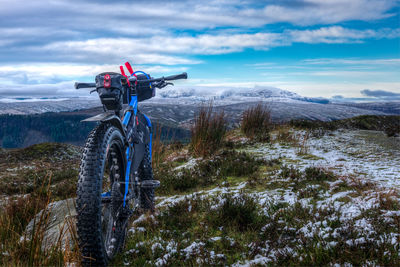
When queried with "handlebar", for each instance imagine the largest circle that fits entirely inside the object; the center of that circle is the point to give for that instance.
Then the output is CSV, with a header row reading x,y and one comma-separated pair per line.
x,y
84,85
168,78
183,75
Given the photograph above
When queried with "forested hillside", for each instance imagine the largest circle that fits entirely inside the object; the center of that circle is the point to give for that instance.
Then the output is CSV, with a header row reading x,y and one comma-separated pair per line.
x,y
24,130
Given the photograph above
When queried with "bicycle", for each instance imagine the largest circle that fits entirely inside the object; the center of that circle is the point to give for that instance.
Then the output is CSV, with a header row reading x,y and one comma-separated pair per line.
x,y
115,174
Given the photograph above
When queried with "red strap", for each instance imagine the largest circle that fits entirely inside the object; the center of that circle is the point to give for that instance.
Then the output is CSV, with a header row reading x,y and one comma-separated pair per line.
x,y
122,71
123,74
129,67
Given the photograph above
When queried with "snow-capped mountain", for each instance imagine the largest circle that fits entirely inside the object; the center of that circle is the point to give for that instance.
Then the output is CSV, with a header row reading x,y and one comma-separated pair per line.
x,y
223,96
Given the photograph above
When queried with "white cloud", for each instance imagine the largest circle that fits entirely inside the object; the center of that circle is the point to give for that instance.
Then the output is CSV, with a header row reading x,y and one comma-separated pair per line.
x,y
352,61
61,89
158,16
163,50
338,34
348,73
43,73
156,46
328,11
344,88
44,22
115,50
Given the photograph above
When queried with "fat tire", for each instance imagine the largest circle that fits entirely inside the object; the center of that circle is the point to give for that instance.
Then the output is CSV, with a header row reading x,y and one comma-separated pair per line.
x,y
88,203
146,173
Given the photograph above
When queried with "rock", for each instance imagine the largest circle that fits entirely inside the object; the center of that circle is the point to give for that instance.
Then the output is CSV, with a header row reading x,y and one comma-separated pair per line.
x,y
56,225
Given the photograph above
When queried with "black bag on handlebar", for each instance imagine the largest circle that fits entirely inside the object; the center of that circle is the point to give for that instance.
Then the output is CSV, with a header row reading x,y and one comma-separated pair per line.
x,y
144,90
110,89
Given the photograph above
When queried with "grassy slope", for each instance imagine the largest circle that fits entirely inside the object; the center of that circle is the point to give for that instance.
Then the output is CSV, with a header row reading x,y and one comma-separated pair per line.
x,y
22,171
249,203
238,207
30,179
365,122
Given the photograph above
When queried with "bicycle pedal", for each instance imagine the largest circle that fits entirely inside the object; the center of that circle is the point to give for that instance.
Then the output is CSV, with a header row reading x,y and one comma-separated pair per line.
x,y
149,184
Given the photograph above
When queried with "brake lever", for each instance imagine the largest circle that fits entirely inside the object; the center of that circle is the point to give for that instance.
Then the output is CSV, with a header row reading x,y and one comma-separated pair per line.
x,y
162,84
93,91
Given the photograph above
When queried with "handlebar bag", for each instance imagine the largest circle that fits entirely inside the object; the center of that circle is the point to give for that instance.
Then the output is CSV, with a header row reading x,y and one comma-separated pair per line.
x,y
110,89
144,90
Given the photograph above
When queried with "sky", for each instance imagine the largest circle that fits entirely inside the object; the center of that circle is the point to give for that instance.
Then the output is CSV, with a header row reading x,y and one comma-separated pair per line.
x,y
318,48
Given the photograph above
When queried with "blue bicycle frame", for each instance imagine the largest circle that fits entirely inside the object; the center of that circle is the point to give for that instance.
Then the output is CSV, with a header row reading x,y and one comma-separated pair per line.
x,y
127,117
131,114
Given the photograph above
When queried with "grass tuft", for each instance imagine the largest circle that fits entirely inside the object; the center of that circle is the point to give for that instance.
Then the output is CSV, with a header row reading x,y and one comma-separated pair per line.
x,y
290,172
208,131
318,174
286,136
240,212
158,148
389,200
256,123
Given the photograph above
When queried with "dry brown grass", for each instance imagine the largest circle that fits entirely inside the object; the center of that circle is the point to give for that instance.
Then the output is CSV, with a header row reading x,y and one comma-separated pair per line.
x,y
285,135
208,131
256,123
158,148
303,148
358,184
389,200
72,254
20,249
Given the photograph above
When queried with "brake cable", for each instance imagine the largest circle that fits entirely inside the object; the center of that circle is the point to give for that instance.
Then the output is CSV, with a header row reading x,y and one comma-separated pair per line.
x,y
142,72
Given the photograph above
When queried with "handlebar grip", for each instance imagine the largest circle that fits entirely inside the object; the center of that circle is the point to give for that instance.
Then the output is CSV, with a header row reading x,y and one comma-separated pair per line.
x,y
168,78
176,77
84,85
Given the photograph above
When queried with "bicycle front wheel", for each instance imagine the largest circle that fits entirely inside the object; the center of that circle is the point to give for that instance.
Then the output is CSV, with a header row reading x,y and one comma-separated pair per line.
x,y
101,230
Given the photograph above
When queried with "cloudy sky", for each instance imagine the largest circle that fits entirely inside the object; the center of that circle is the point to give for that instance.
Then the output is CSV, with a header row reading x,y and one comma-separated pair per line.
x,y
330,48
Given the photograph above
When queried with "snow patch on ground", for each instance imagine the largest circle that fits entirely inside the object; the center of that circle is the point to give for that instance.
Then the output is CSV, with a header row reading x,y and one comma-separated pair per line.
x,y
346,152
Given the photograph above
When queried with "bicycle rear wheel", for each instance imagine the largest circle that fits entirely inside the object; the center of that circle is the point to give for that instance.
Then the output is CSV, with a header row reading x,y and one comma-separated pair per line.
x,y
146,173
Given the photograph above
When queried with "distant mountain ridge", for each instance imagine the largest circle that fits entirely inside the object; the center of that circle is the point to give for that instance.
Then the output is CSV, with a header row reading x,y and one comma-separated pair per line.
x,y
196,95
48,105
